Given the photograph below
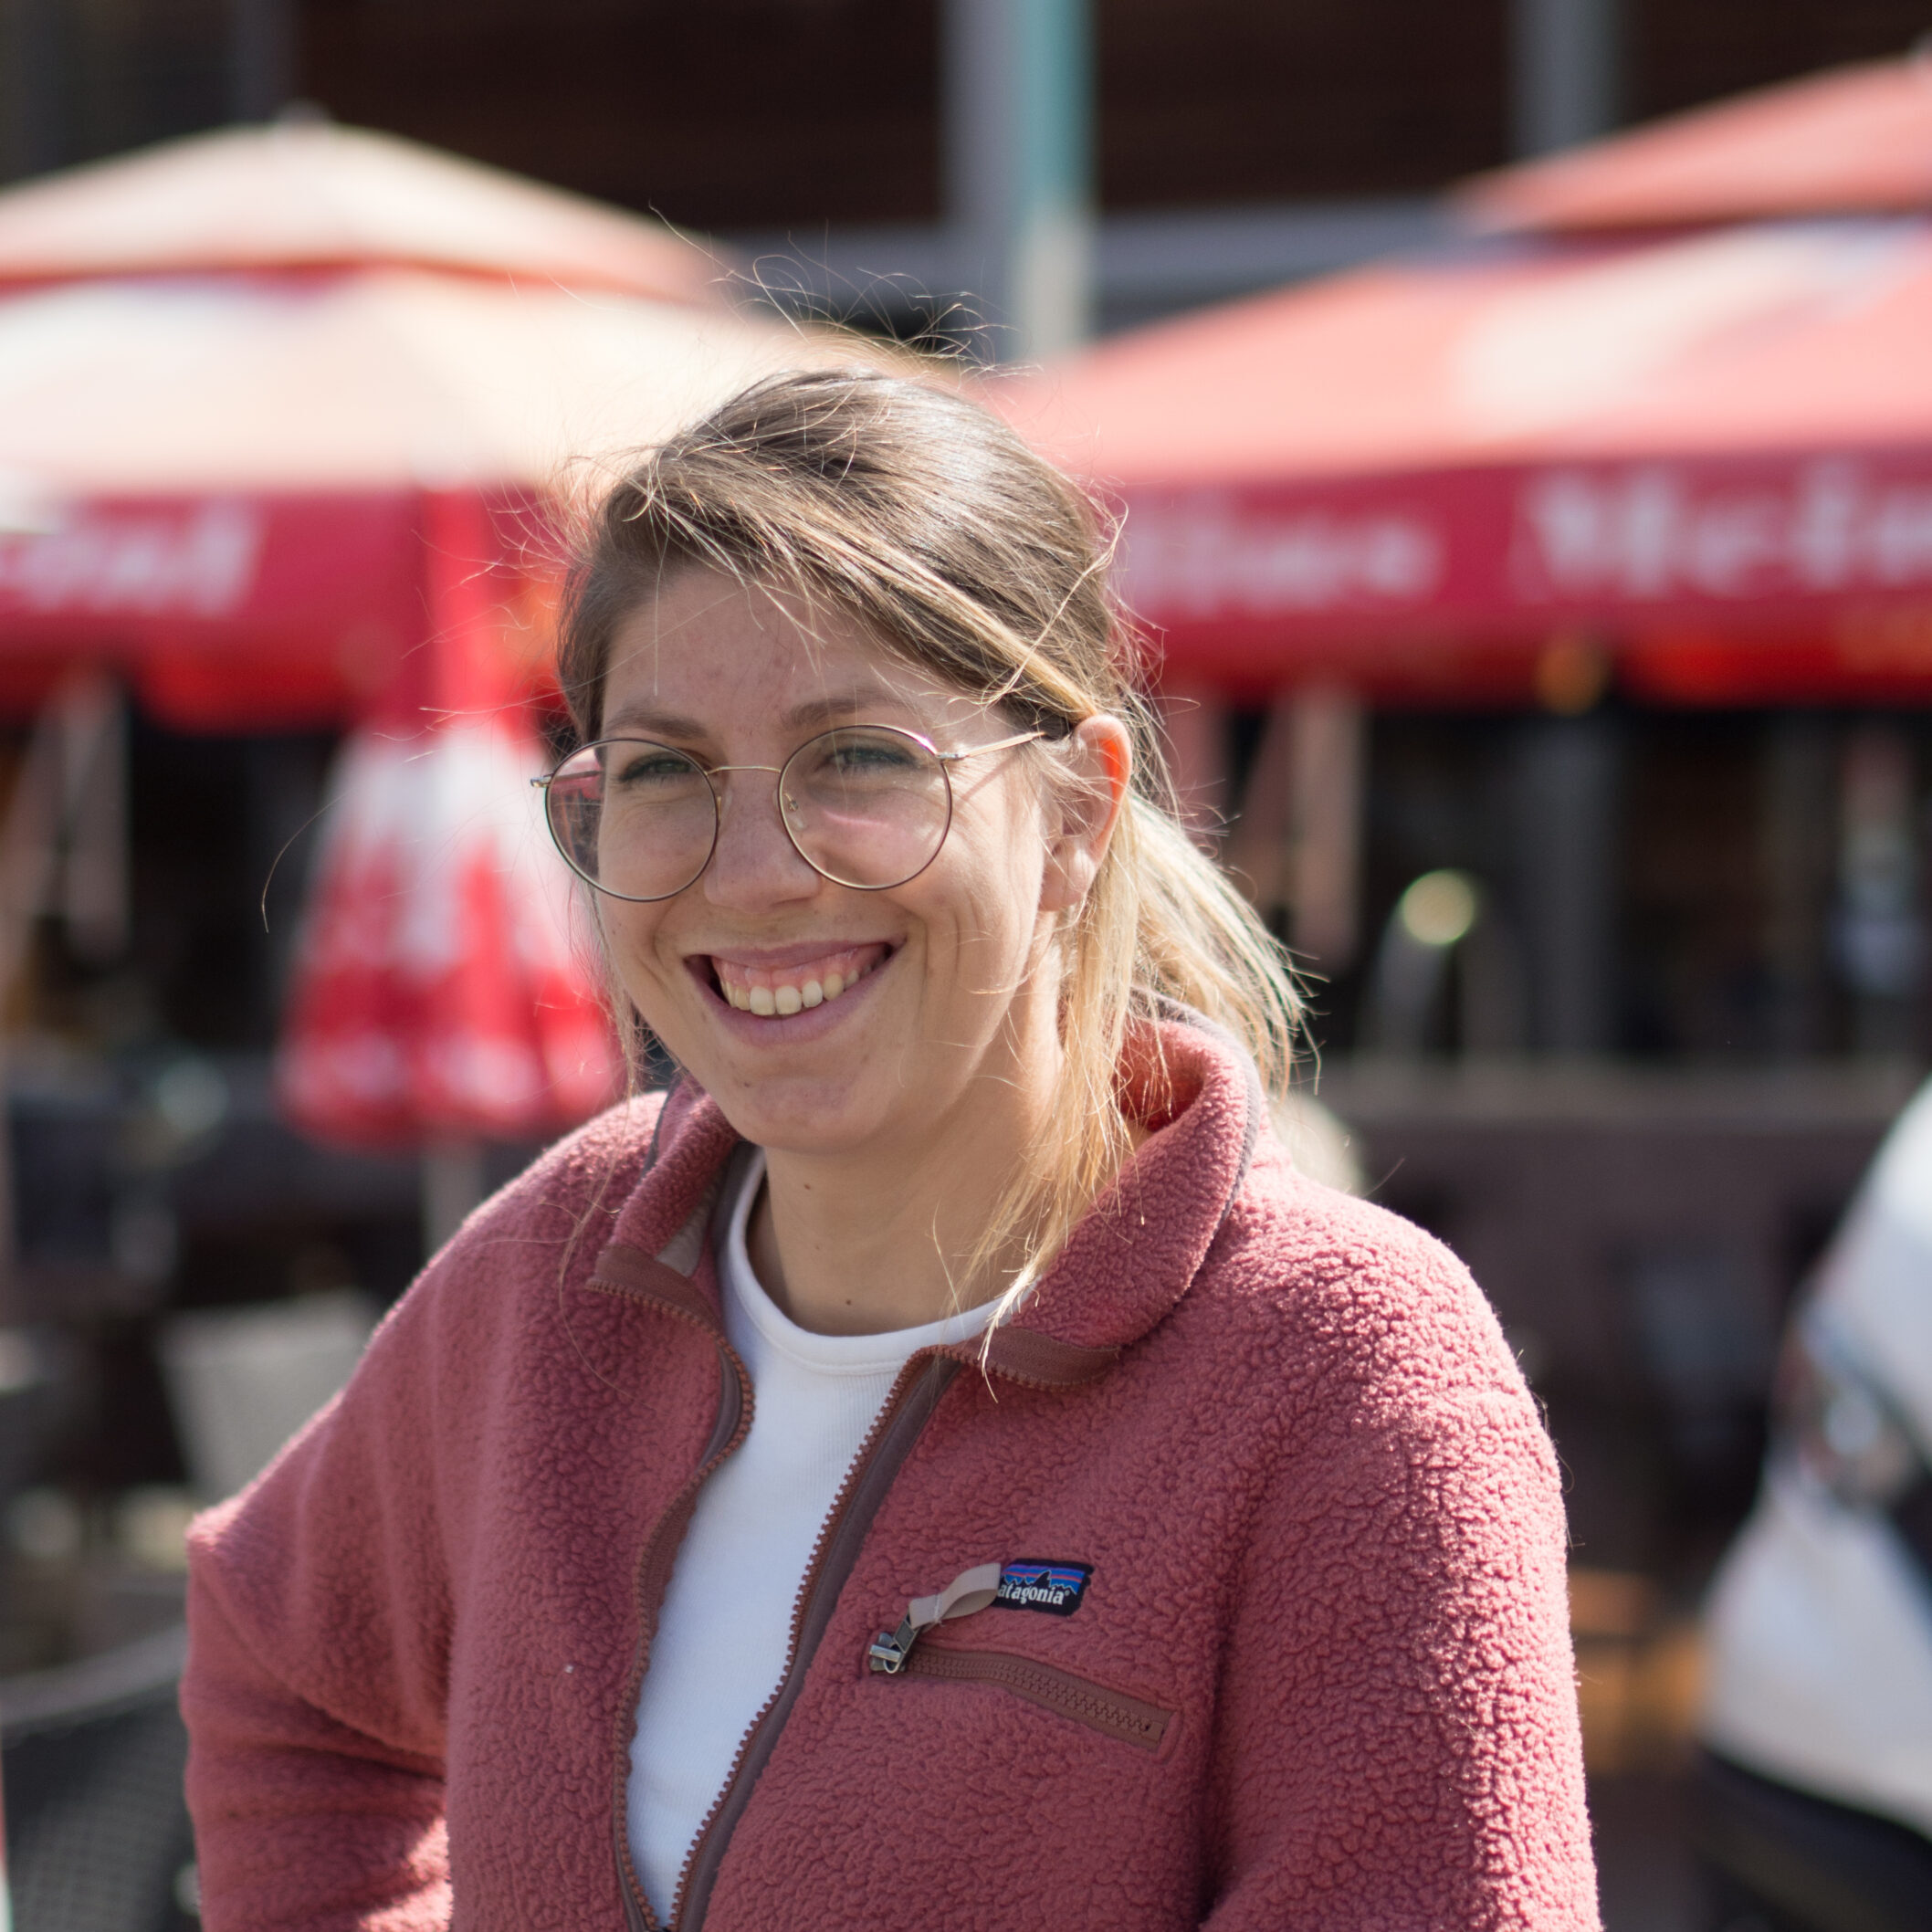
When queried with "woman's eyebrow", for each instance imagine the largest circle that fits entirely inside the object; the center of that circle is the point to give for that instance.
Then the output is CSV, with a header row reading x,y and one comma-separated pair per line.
x,y
866,699
662,724
813,711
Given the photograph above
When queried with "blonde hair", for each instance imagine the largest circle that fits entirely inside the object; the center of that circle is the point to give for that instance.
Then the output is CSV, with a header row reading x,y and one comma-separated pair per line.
x,y
923,517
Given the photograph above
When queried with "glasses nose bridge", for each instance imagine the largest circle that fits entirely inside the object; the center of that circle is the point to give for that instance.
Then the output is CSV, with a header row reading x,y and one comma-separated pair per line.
x,y
719,794
718,771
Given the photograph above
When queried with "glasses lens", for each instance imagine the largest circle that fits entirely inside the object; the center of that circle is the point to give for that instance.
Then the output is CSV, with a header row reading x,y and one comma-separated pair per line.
x,y
868,806
637,819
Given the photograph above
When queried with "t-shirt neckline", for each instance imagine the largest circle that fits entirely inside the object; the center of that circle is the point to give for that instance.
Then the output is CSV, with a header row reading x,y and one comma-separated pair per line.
x,y
849,1354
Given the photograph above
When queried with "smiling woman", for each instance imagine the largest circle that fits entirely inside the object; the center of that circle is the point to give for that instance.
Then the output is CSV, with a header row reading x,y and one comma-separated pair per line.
x,y
772,1505
885,559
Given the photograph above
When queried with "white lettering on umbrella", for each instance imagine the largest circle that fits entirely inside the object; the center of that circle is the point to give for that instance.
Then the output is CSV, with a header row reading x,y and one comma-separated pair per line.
x,y
1658,531
198,563
1208,555
1902,537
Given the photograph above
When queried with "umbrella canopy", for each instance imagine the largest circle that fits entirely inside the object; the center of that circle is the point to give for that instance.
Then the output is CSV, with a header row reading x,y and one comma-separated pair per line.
x,y
218,479
1855,141
308,194
390,378
230,369
1412,476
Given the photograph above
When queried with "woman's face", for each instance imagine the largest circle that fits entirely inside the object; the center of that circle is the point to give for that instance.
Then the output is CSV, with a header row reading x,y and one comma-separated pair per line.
x,y
932,998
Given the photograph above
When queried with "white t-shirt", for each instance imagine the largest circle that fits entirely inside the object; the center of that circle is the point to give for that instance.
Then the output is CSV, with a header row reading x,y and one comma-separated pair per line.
x,y
726,1625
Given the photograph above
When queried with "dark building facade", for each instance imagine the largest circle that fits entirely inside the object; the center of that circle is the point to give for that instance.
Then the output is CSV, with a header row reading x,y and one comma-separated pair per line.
x,y
755,114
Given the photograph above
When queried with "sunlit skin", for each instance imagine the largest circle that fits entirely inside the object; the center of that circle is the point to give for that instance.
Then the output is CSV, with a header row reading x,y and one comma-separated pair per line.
x,y
891,1115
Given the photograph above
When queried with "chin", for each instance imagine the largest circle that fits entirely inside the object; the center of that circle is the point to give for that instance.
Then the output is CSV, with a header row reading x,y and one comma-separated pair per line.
x,y
806,1117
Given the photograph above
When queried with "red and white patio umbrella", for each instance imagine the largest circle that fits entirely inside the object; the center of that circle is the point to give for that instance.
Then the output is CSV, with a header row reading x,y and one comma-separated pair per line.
x,y
445,988
276,408
232,369
1635,403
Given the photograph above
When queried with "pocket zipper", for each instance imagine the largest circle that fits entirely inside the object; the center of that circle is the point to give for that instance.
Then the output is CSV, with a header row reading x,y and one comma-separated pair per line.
x,y
972,1590
1113,1713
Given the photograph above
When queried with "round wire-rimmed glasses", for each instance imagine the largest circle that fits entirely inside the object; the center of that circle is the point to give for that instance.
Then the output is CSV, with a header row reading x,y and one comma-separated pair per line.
x,y
867,807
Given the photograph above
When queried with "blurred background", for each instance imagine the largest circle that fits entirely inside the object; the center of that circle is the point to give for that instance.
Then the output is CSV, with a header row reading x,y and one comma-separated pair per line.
x,y
1532,521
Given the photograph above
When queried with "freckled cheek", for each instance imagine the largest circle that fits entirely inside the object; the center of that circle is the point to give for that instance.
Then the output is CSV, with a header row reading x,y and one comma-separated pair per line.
x,y
1001,867
978,921
633,937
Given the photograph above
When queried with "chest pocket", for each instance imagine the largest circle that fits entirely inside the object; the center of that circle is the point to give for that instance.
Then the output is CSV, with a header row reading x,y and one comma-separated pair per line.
x,y
1110,1712
1054,1587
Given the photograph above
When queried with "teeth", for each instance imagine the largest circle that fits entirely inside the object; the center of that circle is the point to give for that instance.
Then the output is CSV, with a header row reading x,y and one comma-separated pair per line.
x,y
780,1001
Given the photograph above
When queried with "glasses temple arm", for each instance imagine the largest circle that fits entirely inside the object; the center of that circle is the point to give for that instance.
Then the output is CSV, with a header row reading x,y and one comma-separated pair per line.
x,y
1004,744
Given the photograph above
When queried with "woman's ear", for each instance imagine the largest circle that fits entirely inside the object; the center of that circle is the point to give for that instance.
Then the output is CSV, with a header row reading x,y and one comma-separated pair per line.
x,y
1101,754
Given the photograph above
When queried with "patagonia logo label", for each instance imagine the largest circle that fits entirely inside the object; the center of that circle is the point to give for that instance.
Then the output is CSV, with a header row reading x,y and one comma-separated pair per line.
x,y
1033,1583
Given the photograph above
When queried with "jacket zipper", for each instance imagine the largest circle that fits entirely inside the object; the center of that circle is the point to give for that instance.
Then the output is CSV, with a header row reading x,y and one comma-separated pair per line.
x,y
653,1578
1110,1712
908,1407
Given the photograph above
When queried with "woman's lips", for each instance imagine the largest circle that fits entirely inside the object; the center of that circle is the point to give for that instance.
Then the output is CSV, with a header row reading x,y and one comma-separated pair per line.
x,y
776,992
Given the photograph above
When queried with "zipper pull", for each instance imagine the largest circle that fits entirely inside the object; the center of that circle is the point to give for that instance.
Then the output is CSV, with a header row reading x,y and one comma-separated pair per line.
x,y
892,1649
971,1590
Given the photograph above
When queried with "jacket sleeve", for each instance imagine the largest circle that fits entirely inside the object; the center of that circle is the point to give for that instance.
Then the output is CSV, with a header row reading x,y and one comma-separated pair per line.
x,y
1397,1738
314,1689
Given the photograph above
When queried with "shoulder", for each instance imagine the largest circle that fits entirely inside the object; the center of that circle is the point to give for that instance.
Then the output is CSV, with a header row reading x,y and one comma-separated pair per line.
x,y
471,1318
578,1183
1368,1311
547,1225
474,1334
1363,1379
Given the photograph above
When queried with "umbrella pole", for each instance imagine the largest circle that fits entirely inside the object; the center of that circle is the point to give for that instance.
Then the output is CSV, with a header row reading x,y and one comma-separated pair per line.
x,y
452,1186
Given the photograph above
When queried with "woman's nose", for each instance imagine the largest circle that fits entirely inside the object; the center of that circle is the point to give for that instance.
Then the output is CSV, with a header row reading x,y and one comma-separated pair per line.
x,y
754,862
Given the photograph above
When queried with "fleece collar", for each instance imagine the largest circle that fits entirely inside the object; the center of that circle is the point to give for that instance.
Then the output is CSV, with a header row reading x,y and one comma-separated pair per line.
x,y
1127,1262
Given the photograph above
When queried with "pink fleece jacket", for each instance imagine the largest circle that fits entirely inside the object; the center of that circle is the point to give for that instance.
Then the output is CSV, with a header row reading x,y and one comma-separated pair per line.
x,y
1282,1640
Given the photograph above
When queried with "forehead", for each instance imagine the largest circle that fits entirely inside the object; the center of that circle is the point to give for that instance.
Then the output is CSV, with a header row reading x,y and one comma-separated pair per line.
x,y
710,647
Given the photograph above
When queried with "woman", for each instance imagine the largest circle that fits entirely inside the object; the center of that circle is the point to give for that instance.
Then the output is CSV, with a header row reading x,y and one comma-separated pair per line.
x,y
941,1465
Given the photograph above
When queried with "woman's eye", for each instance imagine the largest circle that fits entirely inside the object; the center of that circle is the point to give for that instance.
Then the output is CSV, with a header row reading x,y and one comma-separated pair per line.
x,y
650,768
869,757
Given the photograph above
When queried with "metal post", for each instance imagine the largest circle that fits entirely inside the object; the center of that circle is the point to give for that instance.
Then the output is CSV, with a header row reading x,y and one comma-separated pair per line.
x,y
1330,767
1018,167
1566,816
33,86
261,57
1564,62
453,1184
285,785
1195,721
1878,929
74,756
1796,861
